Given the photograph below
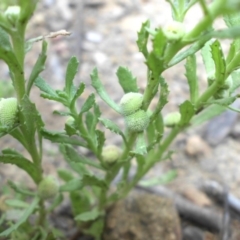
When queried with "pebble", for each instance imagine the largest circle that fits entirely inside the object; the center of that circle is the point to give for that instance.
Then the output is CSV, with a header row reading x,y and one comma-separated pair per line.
x,y
93,36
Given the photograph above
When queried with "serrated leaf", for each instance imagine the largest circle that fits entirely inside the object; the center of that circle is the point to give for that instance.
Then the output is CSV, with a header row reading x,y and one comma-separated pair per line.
x,y
91,122
100,136
77,94
88,104
219,61
90,180
44,87
127,81
21,162
96,83
191,74
72,185
70,129
112,127
187,112
58,137
74,156
61,113
22,219
143,38
207,114
88,216
38,67
5,44
72,69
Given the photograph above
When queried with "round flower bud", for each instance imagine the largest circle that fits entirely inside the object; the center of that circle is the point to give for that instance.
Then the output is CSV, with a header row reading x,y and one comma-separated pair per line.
x,y
130,103
137,121
8,111
174,31
222,93
70,121
110,154
48,187
12,14
172,119
228,83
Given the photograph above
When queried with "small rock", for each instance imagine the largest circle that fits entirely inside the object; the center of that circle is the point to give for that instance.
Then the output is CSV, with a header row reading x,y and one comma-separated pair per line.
x,y
142,216
192,233
94,37
196,146
195,196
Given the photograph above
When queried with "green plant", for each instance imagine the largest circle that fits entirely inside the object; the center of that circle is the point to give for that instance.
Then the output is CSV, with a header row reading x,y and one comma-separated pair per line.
x,y
144,139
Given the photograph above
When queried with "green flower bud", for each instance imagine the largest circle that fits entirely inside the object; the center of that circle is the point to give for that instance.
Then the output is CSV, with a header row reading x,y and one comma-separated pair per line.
x,y
12,14
8,111
70,121
48,187
130,103
110,154
137,121
174,31
172,119
222,93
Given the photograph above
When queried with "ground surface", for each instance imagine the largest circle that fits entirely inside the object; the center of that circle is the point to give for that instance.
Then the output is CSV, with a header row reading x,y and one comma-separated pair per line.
x,y
104,35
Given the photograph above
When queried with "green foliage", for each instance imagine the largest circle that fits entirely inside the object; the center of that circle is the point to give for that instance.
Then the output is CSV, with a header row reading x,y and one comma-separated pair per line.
x,y
89,178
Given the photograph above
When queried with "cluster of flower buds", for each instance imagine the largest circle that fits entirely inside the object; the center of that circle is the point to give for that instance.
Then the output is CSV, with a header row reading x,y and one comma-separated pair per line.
x,y
136,119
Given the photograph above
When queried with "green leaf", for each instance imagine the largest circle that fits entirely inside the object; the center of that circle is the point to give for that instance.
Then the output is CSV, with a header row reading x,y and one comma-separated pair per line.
x,y
191,74
90,180
96,83
49,93
77,94
141,147
29,117
88,104
143,38
65,175
79,202
127,80
26,214
223,102
208,60
187,112
38,67
91,122
235,80
74,156
72,185
112,127
166,178
219,61
207,114
16,203
21,190
159,44
72,69
232,20
155,64
23,163
58,137
5,44
96,229
88,216
100,136
78,167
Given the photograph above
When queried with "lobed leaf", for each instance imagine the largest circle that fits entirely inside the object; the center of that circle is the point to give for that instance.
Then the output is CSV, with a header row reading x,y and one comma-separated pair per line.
x,y
127,81
96,83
